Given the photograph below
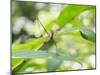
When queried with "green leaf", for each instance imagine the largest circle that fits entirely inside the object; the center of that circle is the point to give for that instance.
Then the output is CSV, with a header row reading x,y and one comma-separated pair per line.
x,y
28,63
84,32
31,44
68,31
65,57
31,54
53,63
88,34
16,62
70,12
76,23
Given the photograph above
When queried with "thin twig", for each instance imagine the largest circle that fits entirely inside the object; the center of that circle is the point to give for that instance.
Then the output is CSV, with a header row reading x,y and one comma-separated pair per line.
x,y
43,26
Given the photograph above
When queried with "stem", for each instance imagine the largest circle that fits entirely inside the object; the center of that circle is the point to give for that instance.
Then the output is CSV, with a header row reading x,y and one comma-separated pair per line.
x,y
43,26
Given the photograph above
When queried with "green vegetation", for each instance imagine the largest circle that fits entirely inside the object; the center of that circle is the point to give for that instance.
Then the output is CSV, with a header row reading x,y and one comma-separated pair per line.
x,y
52,37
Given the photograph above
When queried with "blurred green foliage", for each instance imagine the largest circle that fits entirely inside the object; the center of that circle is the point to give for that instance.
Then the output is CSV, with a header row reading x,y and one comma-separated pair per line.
x,y
52,37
